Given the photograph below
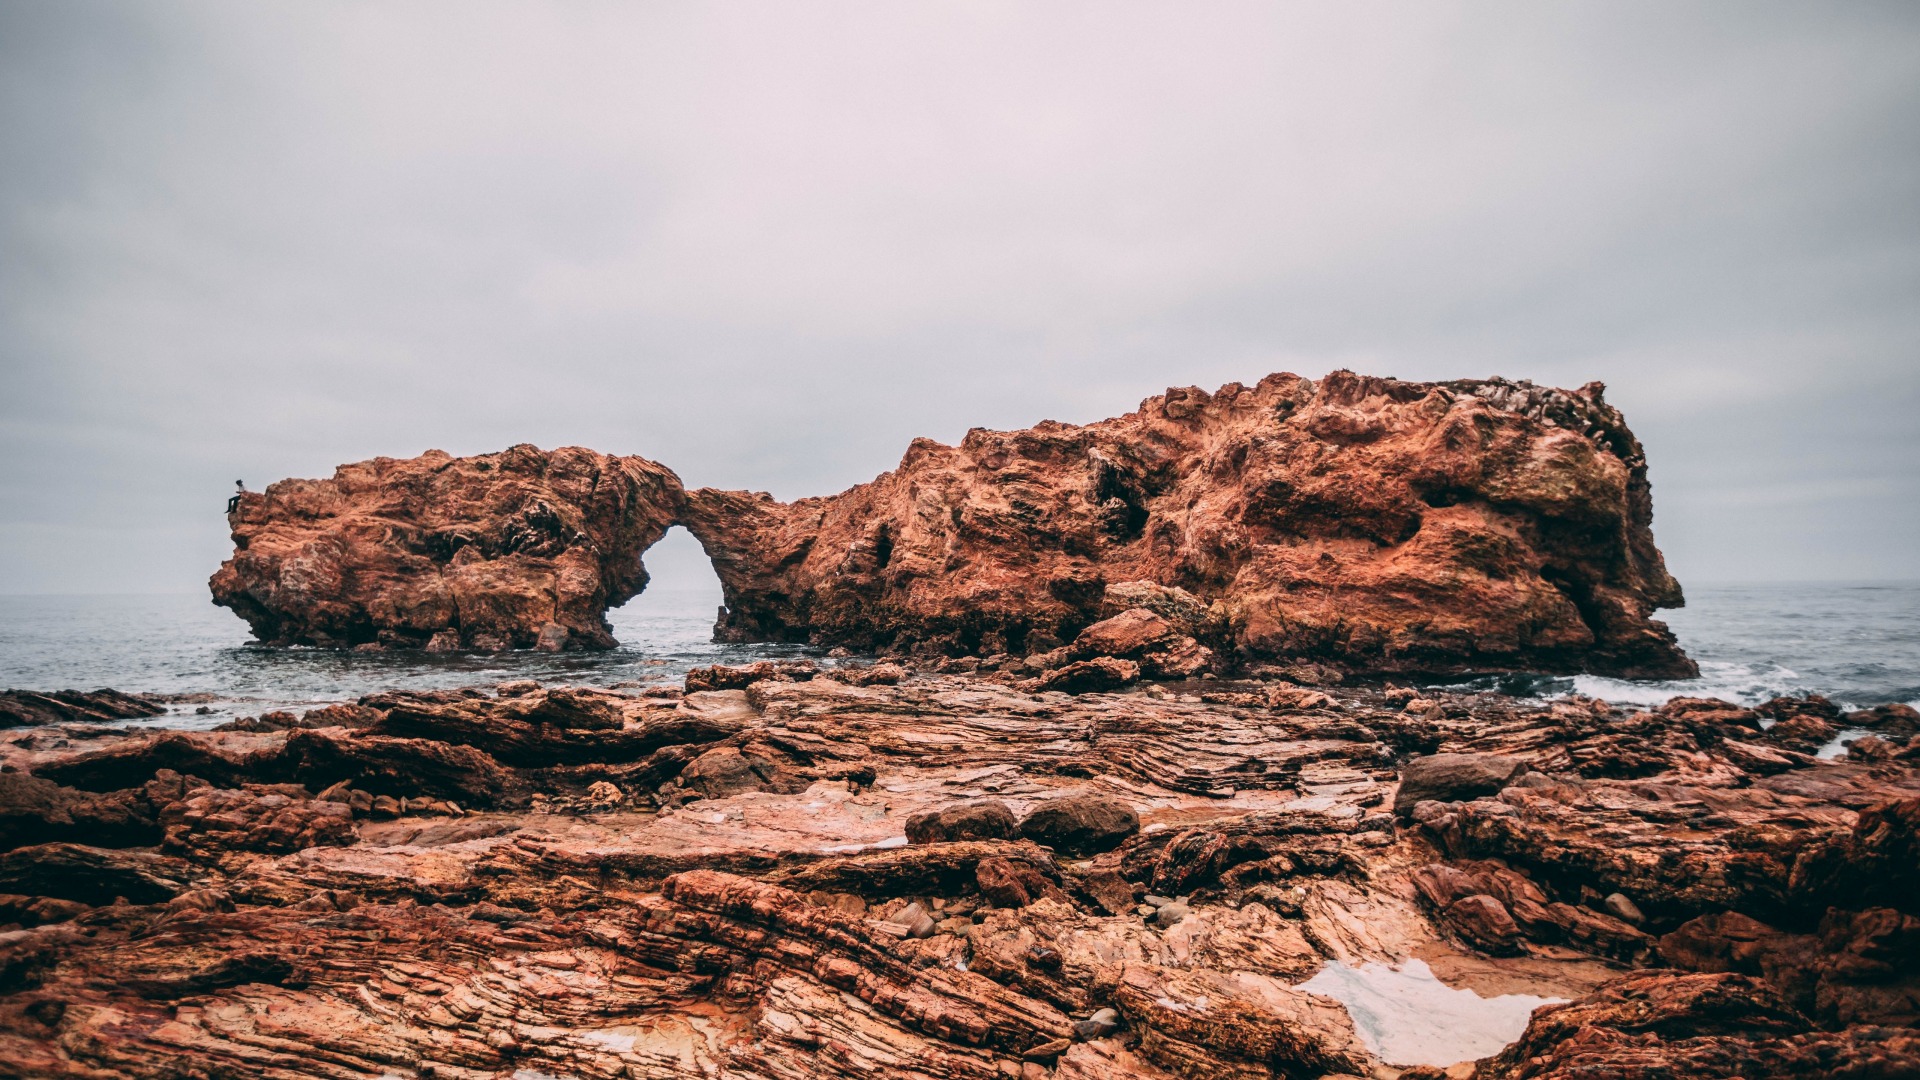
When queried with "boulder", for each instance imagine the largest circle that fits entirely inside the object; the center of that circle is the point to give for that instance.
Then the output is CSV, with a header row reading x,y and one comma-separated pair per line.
x,y
982,819
1093,676
1454,778
1130,634
1080,824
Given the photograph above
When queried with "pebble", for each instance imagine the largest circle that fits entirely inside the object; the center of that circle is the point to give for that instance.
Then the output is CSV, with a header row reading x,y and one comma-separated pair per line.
x,y
1169,915
1620,907
916,921
1098,1026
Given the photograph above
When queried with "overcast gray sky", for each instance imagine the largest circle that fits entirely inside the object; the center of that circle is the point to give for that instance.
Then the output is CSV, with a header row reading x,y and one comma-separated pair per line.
x,y
768,244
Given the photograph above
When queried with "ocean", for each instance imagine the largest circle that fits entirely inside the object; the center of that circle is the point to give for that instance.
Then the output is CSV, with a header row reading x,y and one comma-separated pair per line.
x,y
1857,643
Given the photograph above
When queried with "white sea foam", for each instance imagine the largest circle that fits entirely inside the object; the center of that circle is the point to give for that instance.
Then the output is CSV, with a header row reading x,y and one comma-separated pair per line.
x,y
1407,1016
1837,746
1742,684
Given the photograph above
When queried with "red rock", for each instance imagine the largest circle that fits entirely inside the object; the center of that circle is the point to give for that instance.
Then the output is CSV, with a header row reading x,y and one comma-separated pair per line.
x,y
981,819
1710,1026
555,912
1376,524
1008,884
1354,523
722,677
1129,635
524,548
1454,778
1090,676
26,708
1080,824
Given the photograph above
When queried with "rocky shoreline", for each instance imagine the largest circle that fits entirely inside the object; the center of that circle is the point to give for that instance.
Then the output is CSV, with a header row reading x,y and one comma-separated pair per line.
x,y
921,871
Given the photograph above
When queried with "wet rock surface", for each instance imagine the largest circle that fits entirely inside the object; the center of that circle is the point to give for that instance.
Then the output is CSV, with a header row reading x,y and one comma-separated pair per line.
x,y
27,708
949,876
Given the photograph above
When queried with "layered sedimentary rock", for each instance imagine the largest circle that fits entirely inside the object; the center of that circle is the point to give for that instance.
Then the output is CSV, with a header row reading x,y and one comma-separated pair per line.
x,y
1375,524
836,873
26,708
520,549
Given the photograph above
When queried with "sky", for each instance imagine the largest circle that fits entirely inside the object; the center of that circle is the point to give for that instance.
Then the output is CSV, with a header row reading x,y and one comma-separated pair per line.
x,y
770,244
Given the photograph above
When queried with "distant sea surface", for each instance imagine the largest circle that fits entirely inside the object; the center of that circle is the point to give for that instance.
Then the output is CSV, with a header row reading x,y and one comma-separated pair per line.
x,y
1858,644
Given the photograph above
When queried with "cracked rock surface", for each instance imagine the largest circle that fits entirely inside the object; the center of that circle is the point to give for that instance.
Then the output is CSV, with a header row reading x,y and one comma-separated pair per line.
x,y
799,876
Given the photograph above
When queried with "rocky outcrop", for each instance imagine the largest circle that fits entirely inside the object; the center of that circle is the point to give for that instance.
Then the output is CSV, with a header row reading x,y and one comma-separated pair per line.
x,y
1346,524
521,549
1374,524
951,879
28,708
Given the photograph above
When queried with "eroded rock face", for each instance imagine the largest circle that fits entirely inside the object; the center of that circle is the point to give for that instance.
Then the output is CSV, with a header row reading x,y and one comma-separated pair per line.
x,y
1129,886
1375,524
521,549
1350,524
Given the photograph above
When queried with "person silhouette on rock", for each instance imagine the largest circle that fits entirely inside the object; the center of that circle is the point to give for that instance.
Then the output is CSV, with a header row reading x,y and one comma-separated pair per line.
x,y
239,489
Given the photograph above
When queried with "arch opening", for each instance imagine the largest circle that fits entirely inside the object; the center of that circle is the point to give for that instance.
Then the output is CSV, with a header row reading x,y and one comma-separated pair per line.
x,y
677,608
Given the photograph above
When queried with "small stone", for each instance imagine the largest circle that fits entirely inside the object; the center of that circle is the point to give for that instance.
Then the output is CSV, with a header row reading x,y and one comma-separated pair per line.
x,y
1618,906
915,920
1098,1026
1169,915
1048,1050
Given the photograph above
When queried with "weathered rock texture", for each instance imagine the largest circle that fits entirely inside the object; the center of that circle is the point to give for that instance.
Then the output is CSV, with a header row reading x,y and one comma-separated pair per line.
x,y
26,708
1364,524
570,882
520,549
1377,524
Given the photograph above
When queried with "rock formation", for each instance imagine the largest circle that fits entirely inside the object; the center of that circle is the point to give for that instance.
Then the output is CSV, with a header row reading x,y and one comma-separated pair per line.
x,y
815,873
1361,524
520,549
1376,524
26,708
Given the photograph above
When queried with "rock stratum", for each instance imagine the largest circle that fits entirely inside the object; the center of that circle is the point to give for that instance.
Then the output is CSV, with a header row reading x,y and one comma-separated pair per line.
x,y
795,873
1367,524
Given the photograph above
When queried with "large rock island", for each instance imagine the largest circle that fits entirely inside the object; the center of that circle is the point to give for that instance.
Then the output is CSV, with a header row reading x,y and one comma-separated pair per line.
x,y
1364,524
518,549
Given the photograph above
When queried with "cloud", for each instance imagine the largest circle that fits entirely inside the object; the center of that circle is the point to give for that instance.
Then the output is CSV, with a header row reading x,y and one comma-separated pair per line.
x,y
769,244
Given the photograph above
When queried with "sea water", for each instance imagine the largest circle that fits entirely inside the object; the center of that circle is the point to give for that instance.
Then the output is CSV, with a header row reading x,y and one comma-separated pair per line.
x,y
183,645
1858,644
